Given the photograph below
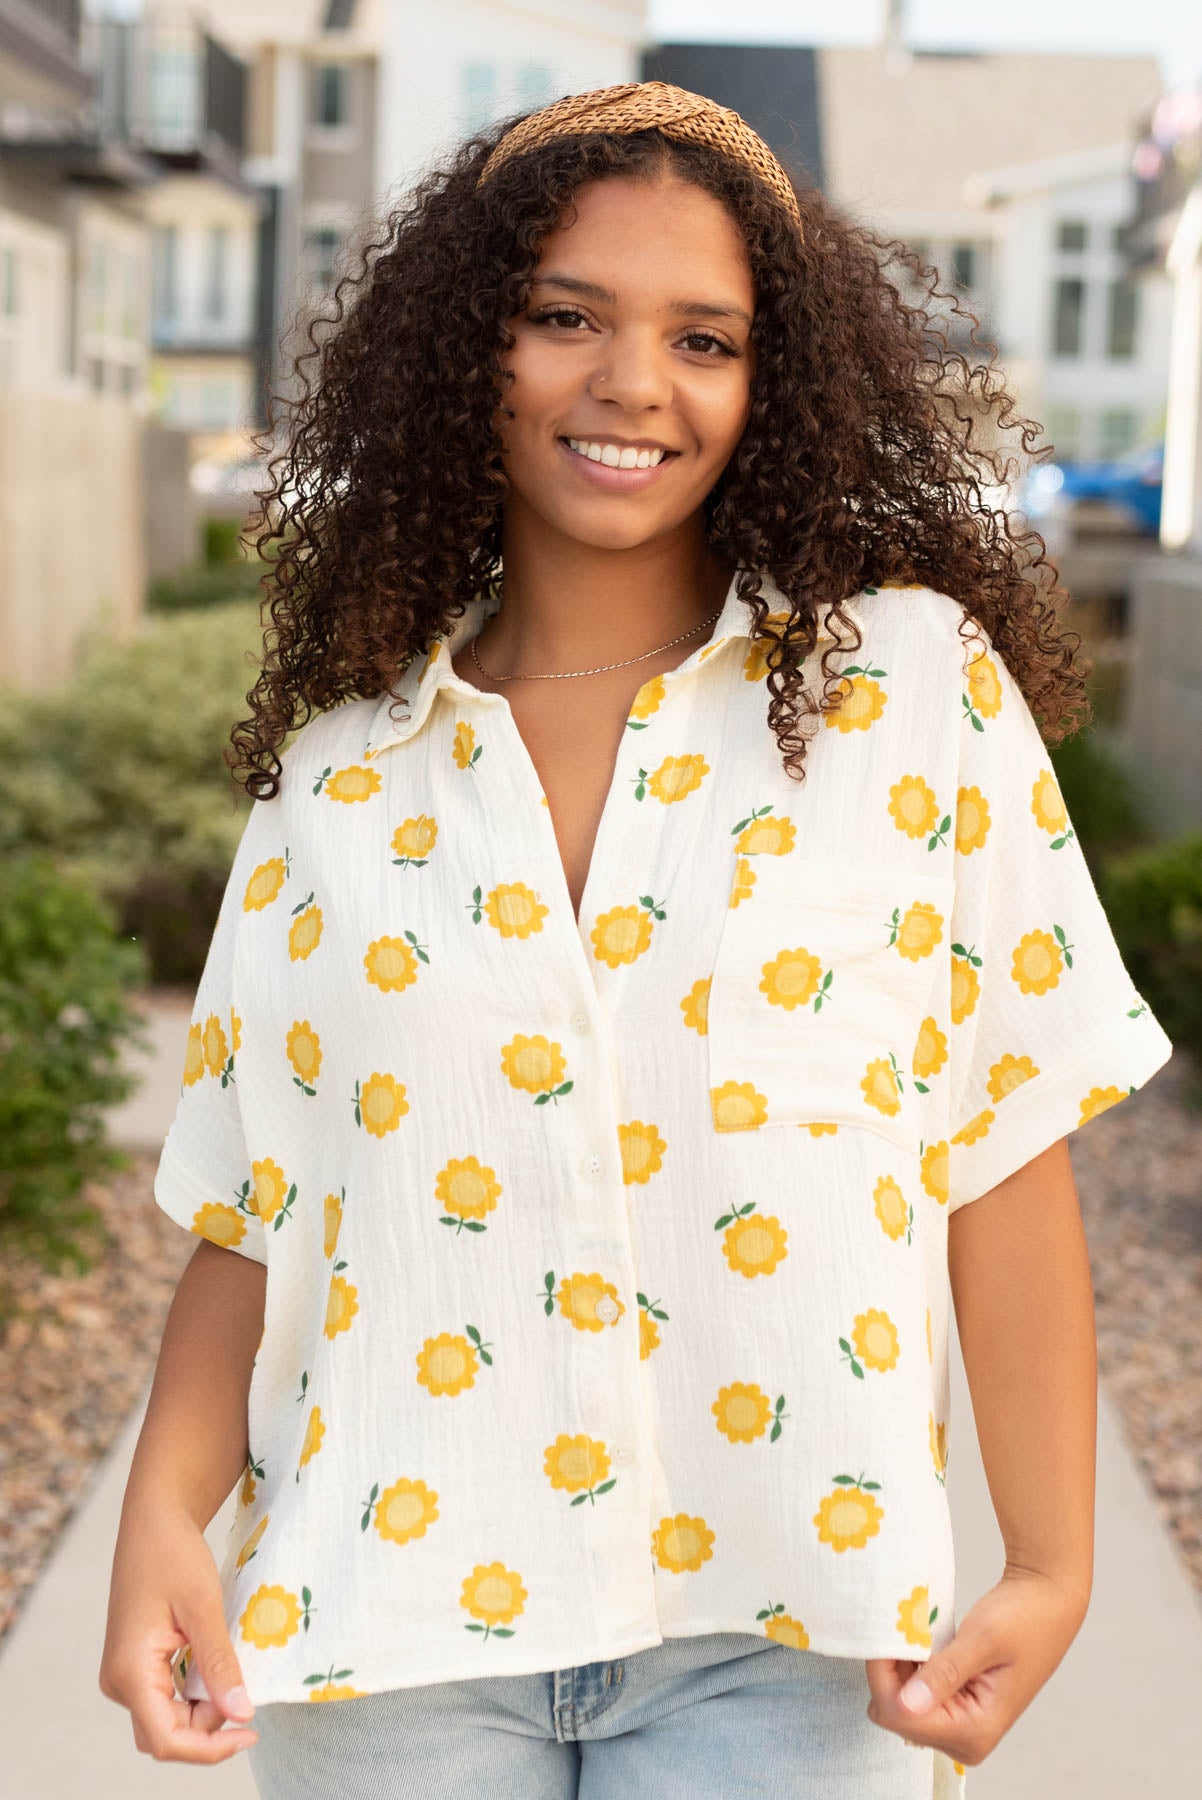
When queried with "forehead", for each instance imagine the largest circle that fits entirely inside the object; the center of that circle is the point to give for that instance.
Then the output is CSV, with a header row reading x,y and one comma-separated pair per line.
x,y
653,233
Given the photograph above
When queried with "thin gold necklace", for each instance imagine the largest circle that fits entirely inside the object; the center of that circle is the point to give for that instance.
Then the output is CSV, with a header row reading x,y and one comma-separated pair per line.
x,y
564,674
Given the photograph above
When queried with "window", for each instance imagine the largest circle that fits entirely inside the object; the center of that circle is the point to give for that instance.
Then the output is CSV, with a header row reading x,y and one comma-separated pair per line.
x,y
164,250
131,296
329,94
1068,313
216,269
1064,432
8,281
478,93
1072,234
324,243
1118,235
1118,431
1121,316
964,265
534,84
216,405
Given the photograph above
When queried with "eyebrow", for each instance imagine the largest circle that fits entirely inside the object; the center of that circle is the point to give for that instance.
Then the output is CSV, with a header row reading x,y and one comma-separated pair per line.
x,y
689,309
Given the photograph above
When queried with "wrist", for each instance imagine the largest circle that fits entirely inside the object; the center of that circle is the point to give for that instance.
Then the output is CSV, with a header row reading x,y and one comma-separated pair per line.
x,y
1072,1582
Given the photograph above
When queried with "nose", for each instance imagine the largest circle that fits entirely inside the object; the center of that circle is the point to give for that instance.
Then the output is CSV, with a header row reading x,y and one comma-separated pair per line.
x,y
632,369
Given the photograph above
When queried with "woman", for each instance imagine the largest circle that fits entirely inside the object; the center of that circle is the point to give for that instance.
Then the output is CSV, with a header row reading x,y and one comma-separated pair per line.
x,y
587,1076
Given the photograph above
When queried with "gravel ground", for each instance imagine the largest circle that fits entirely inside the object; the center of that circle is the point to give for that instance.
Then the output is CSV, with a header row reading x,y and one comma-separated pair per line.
x,y
74,1360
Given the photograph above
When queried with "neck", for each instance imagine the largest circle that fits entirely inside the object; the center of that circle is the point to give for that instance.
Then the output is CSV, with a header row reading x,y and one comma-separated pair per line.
x,y
572,605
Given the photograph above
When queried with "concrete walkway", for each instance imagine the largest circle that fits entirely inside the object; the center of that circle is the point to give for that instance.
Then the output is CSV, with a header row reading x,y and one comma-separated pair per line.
x,y
1119,1716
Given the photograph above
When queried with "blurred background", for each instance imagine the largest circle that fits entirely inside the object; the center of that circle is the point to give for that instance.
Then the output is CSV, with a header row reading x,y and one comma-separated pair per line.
x,y
180,186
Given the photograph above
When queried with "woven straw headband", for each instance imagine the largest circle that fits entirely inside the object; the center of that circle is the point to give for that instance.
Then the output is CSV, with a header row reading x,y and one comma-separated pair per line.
x,y
636,105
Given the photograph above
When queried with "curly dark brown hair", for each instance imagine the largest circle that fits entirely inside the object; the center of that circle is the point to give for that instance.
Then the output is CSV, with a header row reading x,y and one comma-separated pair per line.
x,y
868,443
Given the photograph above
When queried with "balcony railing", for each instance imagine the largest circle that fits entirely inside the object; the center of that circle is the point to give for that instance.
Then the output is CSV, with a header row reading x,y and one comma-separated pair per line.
x,y
165,85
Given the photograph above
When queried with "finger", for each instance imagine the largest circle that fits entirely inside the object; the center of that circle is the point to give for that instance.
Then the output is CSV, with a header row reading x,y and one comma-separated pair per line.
x,y
886,1675
174,1730
213,1655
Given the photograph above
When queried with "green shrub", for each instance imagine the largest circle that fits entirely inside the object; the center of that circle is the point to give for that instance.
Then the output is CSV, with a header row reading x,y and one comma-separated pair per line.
x,y
222,540
119,777
1153,899
64,1013
1104,801
204,585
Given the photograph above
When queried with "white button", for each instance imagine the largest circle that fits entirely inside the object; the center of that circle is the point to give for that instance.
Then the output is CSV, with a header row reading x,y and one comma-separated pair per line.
x,y
580,1022
620,1453
607,1308
591,1166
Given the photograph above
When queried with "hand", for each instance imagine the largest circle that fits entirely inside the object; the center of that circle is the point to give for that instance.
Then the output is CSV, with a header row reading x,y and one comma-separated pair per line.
x,y
1006,1646
165,1593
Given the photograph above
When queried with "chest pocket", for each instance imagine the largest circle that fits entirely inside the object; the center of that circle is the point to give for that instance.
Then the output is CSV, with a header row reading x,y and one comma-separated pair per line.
x,y
824,975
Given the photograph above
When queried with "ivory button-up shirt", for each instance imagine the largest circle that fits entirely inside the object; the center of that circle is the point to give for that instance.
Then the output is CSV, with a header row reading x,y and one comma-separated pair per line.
x,y
607,1292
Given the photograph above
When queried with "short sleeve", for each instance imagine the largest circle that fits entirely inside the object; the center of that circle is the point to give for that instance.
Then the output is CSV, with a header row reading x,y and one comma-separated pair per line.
x,y
204,1178
1047,1029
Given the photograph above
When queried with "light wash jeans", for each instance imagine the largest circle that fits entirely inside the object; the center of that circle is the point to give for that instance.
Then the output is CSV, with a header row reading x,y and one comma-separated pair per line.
x,y
722,1715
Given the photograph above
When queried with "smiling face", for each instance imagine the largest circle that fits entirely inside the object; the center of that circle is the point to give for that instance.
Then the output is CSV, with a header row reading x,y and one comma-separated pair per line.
x,y
637,333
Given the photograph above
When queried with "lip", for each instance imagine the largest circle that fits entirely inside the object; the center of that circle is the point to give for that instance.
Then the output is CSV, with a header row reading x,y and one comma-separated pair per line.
x,y
620,481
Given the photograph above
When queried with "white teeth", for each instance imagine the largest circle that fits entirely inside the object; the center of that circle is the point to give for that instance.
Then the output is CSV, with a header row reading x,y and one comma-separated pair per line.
x,y
616,458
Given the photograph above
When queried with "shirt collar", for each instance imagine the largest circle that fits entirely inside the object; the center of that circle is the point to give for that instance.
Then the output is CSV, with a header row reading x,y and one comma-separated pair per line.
x,y
405,707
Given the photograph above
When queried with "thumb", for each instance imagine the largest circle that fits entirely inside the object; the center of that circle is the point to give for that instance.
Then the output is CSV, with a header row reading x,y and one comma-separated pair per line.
x,y
213,1655
944,1672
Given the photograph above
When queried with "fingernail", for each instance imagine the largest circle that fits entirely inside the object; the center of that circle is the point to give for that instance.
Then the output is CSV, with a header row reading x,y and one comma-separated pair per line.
x,y
917,1695
238,1701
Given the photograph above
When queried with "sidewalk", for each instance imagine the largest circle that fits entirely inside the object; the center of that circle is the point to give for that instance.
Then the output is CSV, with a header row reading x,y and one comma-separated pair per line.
x,y
1120,1715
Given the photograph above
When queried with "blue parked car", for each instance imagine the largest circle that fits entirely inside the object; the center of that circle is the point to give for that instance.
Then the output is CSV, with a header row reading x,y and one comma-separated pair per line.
x,y
1125,491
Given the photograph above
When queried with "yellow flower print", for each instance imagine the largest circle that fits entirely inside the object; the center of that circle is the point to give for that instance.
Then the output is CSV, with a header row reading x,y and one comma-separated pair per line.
x,y
783,1629
977,1127
495,1595
403,1511
194,1056
217,1056
252,1543
223,1225
794,978
304,933
1047,804
381,1104
621,935
649,1312
332,1221
763,835
681,1542
264,884
738,1106
847,1518
743,1410
675,779
448,1363
351,785
465,749
862,701
875,1337
272,1189
272,1615
1039,960
468,1189
515,910
315,1431
913,806
235,1031
303,1049
333,1689
938,1435
341,1305
578,1465
930,1051
880,1086
966,983
921,928
579,1297
984,695
895,1213
817,1127
742,883
391,962
413,841
933,1171
642,1151
930,1347
1098,1099
647,701
254,1474
755,661
972,820
535,1065
752,1246
695,1006
1008,1073
915,1618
